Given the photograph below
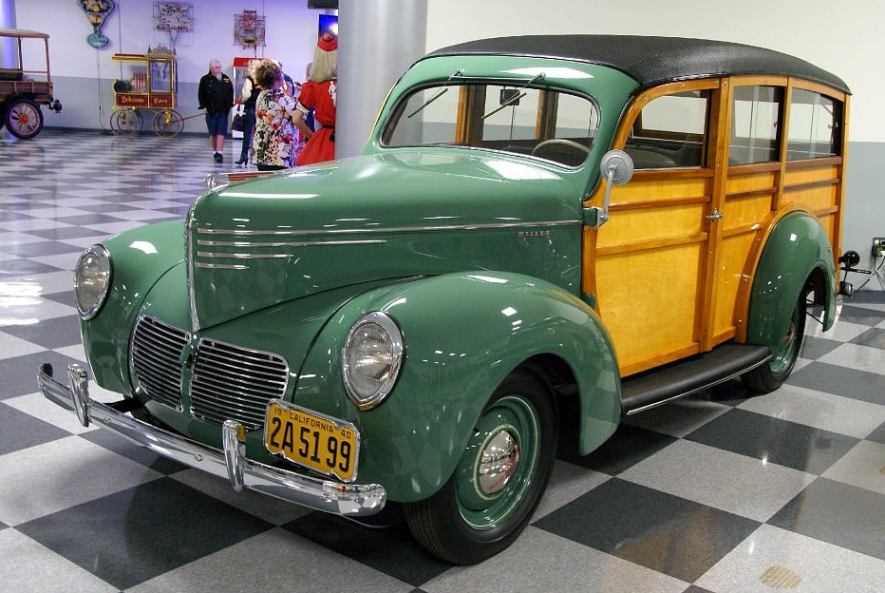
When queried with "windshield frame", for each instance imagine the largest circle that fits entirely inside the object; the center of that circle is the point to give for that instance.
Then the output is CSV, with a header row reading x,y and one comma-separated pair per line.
x,y
396,114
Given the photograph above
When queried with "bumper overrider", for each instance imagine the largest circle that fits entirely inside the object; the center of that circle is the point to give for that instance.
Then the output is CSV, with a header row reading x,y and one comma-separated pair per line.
x,y
354,500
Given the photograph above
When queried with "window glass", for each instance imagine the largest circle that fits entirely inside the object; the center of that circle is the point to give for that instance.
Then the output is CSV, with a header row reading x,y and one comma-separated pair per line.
x,y
814,129
754,125
539,122
671,131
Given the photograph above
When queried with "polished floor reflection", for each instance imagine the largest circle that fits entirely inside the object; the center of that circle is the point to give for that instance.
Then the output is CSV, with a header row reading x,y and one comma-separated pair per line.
x,y
720,493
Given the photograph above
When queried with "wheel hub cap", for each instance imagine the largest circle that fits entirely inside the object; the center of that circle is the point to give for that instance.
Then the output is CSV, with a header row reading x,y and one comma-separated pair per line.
x,y
498,462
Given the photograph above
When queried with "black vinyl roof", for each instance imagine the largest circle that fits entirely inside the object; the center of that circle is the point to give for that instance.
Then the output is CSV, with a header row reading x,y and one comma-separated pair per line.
x,y
651,60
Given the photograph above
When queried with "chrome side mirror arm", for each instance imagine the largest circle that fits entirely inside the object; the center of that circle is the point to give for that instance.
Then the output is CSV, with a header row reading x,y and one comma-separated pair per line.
x,y
616,167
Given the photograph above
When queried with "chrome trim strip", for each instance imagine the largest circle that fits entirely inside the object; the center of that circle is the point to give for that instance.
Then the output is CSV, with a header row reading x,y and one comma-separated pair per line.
x,y
221,266
212,254
452,227
695,390
288,243
356,500
188,256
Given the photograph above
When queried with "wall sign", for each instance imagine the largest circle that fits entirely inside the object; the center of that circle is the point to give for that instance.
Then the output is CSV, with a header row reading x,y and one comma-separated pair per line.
x,y
97,12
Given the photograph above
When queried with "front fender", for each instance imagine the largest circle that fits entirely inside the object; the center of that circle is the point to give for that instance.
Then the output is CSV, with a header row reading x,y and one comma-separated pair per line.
x,y
796,246
463,334
140,257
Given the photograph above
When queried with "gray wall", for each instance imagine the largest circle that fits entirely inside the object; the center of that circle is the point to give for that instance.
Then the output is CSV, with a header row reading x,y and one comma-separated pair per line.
x,y
865,208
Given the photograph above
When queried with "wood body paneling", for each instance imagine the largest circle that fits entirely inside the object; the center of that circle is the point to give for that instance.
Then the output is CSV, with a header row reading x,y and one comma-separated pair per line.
x,y
670,280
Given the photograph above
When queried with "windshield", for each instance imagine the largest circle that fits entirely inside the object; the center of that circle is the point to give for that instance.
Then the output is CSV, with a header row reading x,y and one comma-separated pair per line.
x,y
541,122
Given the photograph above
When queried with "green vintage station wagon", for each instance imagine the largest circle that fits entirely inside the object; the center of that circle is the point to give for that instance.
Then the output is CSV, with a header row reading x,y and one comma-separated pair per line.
x,y
543,234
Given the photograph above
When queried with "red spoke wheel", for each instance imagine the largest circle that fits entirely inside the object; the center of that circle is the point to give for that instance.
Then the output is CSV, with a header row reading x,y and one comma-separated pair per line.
x,y
24,119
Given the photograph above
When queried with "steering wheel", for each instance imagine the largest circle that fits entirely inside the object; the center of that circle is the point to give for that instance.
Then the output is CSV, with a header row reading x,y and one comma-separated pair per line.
x,y
569,143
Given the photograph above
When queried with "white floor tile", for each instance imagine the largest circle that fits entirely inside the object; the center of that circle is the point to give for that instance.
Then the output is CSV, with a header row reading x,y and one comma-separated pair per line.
x,y
862,358
28,567
721,479
60,474
548,563
11,346
773,559
863,466
821,410
293,564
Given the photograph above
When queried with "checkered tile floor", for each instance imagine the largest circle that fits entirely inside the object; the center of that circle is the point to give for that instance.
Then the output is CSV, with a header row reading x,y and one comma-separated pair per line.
x,y
718,493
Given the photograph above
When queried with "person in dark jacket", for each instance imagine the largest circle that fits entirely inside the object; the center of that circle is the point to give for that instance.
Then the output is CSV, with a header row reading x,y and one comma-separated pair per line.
x,y
216,96
247,99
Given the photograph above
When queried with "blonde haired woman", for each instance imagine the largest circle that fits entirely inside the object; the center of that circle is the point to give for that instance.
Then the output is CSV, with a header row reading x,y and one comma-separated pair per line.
x,y
319,93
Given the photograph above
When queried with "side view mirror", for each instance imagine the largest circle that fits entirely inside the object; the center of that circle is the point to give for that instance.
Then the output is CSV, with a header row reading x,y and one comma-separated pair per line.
x,y
616,167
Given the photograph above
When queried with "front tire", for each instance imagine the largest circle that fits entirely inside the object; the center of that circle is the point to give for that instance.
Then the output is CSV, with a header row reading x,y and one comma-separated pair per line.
x,y
768,377
500,479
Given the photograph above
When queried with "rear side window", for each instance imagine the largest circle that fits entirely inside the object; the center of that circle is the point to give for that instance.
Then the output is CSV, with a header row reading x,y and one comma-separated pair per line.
x,y
755,123
671,131
814,126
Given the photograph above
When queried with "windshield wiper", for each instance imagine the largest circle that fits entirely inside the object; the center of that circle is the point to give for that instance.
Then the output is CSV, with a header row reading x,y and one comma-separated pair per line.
x,y
428,102
512,99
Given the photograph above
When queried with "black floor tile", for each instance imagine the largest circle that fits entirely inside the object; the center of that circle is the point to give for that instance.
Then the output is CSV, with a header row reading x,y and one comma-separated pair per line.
x,y
121,446
23,267
861,315
663,532
813,348
137,534
86,219
696,589
764,437
627,447
391,550
20,431
837,513
68,232
868,296
51,333
846,382
873,337
19,374
877,435
65,298
731,393
39,249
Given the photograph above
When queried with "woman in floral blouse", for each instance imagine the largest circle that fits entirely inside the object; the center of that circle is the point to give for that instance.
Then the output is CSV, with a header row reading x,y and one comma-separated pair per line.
x,y
275,140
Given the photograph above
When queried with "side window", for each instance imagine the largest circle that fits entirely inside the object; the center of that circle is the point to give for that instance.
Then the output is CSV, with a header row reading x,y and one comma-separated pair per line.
x,y
754,125
671,131
814,126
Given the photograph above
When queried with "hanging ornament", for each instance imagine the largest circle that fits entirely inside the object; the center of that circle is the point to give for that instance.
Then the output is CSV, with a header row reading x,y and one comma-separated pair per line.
x,y
97,12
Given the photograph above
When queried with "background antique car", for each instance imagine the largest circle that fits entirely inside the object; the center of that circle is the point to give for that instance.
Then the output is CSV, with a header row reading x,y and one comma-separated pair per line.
x,y
414,326
20,94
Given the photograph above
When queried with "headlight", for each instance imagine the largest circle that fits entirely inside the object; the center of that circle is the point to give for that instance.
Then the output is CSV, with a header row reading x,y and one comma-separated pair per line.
x,y
92,280
371,358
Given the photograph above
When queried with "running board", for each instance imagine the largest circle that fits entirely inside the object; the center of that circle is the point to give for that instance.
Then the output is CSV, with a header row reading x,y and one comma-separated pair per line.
x,y
684,377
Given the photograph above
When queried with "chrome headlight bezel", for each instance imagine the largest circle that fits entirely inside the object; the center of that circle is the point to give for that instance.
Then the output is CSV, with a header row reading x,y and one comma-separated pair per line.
x,y
105,274
366,399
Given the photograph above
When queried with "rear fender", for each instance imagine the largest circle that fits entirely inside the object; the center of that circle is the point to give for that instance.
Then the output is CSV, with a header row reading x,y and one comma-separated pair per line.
x,y
463,334
797,249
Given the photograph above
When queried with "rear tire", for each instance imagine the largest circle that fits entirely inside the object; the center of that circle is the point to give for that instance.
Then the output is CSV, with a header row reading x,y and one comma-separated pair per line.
x,y
768,377
24,119
497,485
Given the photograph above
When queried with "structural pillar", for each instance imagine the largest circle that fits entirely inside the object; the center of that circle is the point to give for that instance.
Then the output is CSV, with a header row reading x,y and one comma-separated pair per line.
x,y
8,48
378,41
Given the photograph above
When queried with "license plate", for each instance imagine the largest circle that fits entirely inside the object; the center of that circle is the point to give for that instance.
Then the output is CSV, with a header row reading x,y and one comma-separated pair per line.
x,y
327,445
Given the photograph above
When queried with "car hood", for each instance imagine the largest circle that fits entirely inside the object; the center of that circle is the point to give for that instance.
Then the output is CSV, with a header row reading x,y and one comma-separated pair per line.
x,y
391,215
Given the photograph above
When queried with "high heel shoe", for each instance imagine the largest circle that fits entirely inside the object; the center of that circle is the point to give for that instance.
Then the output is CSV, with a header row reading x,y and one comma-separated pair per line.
x,y
242,161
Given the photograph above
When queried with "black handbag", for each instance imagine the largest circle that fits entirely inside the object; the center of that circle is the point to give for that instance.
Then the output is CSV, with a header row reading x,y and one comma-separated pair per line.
x,y
237,124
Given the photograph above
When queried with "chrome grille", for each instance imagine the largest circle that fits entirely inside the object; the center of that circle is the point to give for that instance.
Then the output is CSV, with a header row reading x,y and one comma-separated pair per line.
x,y
155,358
232,383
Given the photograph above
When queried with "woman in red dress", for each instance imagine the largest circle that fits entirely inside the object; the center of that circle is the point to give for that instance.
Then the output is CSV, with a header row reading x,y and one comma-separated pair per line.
x,y
318,93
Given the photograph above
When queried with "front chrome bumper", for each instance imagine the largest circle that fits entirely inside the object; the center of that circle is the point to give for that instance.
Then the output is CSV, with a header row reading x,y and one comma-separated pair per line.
x,y
353,500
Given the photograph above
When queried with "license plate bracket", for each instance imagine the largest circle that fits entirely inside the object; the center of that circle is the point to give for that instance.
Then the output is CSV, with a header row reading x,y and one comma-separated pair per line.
x,y
316,441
